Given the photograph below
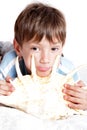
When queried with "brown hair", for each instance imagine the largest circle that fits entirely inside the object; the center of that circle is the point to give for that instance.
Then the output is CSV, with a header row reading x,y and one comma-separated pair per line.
x,y
38,20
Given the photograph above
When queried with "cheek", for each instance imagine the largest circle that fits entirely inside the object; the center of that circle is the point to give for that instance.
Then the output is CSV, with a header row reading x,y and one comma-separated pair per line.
x,y
27,61
60,52
36,60
56,59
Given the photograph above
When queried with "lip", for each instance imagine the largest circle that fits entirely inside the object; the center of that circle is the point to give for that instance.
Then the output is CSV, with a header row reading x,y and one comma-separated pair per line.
x,y
43,69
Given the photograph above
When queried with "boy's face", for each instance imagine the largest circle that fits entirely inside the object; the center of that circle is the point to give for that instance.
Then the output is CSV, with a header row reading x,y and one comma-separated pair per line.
x,y
45,53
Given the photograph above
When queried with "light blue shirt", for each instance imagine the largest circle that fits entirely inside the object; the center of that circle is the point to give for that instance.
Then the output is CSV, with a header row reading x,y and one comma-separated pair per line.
x,y
7,66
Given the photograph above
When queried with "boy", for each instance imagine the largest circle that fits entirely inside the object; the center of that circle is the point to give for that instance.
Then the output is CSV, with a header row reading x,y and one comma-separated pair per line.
x,y
40,30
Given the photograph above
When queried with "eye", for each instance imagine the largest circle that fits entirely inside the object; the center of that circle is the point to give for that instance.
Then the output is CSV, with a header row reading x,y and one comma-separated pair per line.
x,y
55,49
35,49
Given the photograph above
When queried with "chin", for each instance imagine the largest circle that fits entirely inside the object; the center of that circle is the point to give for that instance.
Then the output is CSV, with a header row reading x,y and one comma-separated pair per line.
x,y
43,74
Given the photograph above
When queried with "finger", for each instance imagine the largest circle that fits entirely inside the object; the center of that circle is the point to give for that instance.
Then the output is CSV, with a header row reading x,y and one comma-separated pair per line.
x,y
76,100
77,106
74,88
4,93
80,83
8,78
6,87
70,93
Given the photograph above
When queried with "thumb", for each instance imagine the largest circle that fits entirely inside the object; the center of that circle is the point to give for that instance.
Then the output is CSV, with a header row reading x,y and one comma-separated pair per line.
x,y
8,78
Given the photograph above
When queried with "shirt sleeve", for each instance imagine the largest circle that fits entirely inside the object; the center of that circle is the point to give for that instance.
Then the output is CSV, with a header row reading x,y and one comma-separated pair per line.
x,y
7,65
65,67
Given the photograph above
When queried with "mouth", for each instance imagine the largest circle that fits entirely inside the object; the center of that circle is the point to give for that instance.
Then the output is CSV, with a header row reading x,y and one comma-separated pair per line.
x,y
43,69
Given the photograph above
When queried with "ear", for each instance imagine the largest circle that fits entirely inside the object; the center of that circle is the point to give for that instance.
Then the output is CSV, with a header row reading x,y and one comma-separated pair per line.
x,y
17,47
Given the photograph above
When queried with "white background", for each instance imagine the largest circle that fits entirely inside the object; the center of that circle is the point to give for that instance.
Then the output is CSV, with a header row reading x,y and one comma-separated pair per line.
x,y
75,12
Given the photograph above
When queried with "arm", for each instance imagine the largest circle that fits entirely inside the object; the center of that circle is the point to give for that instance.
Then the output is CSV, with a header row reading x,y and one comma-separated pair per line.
x,y
7,68
75,94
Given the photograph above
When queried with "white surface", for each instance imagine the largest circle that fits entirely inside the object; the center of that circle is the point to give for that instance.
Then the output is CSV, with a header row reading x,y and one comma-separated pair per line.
x,y
12,119
76,17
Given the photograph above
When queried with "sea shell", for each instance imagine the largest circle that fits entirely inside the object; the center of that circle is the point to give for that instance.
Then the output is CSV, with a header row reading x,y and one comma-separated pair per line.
x,y
41,97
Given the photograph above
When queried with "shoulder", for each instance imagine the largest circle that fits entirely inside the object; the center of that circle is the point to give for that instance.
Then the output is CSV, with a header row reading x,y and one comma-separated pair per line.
x,y
7,58
65,67
7,63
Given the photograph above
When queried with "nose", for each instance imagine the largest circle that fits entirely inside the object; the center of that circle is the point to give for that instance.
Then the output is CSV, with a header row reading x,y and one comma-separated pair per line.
x,y
45,57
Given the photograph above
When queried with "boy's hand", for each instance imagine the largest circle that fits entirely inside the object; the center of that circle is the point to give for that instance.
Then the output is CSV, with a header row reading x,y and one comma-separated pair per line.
x,y
76,95
6,87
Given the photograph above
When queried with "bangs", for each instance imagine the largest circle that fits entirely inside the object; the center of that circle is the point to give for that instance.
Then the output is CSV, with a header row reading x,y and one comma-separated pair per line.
x,y
49,32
